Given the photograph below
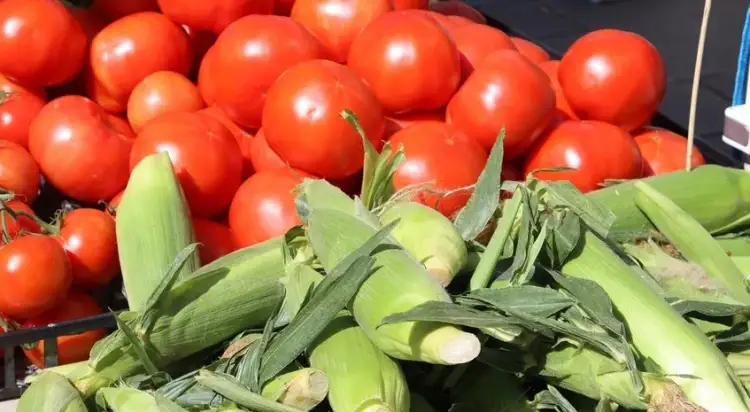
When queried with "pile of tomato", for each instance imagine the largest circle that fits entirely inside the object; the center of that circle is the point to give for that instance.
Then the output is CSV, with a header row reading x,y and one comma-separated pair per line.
x,y
246,97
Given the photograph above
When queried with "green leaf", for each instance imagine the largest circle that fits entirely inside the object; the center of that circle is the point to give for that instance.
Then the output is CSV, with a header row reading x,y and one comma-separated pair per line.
x,y
450,313
710,309
596,216
299,283
51,392
504,360
371,157
388,163
314,317
534,300
553,399
236,392
523,240
485,199
137,345
604,405
249,369
526,271
165,405
565,231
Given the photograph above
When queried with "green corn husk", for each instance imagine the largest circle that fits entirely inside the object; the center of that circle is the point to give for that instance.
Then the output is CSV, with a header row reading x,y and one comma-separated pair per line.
x,y
398,284
486,389
153,226
129,399
727,189
735,246
303,389
362,377
428,236
743,264
51,393
658,332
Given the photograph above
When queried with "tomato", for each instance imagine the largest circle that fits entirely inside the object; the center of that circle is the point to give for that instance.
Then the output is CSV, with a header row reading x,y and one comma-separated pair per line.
x,y
204,153
410,4
161,93
19,173
530,50
283,7
613,76
9,86
81,150
262,156
35,274
302,119
216,240
207,76
200,42
244,139
664,151
115,9
90,20
70,348
396,122
112,205
130,49
21,224
598,151
444,158
89,238
41,44
475,42
351,185
17,110
458,8
263,206
337,22
511,172
551,68
262,45
409,61
214,15
506,91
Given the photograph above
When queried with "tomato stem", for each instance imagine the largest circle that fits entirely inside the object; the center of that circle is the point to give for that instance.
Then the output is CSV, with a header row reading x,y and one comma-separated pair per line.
x,y
15,214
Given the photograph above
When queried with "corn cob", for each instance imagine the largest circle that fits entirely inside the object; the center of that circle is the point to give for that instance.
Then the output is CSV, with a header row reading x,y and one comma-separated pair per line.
x,y
727,188
303,389
51,393
153,226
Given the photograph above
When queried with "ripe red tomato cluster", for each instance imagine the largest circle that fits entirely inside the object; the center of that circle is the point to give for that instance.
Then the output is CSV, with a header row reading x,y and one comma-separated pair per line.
x,y
246,98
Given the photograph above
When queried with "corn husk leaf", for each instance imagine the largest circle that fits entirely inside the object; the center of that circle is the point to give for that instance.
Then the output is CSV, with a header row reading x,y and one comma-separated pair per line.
x,y
51,392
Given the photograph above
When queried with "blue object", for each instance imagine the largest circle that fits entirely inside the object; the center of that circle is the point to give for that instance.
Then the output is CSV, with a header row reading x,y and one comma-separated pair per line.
x,y
740,80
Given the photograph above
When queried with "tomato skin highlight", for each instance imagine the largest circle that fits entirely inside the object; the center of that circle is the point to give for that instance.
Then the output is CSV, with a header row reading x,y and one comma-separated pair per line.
x,y
15,227
598,151
265,46
41,44
551,69
335,23
439,153
62,138
460,9
302,119
263,206
475,42
89,238
131,48
161,93
530,50
204,154
262,156
19,172
216,240
426,69
615,77
214,15
35,274
506,91
70,348
664,151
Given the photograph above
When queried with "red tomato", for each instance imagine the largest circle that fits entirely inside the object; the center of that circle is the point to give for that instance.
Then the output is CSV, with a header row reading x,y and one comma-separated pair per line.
x,y
244,139
41,44
262,45
337,22
89,238
204,153
216,240
263,206
115,9
475,42
130,49
396,122
200,41
21,224
161,93
506,91
409,61
70,348
207,76
81,150
511,172
303,124
19,173
613,76
112,206
551,68
283,7
530,50
90,20
410,4
214,15
443,157
664,151
17,110
458,8
598,151
351,185
9,86
262,156
35,274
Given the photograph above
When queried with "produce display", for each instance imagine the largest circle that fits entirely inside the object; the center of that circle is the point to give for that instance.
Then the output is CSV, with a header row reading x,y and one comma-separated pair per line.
x,y
358,206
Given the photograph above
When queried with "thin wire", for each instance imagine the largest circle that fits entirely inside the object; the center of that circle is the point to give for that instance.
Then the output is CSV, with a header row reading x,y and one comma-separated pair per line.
x,y
696,84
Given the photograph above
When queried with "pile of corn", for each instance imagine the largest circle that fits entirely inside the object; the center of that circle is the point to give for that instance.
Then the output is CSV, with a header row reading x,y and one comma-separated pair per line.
x,y
633,297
